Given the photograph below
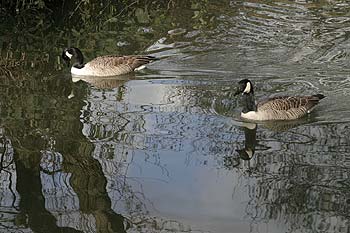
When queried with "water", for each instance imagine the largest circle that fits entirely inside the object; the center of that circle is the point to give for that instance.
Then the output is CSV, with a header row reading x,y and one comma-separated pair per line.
x,y
162,150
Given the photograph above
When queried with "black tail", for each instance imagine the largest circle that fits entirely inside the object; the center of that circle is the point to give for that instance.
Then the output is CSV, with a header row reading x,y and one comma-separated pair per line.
x,y
152,58
320,96
146,59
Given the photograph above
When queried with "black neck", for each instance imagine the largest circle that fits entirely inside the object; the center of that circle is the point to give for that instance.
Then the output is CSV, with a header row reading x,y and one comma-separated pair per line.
x,y
79,58
248,102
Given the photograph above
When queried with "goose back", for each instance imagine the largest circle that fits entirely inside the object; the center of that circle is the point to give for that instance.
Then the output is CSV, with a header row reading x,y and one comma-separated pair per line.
x,y
286,107
112,65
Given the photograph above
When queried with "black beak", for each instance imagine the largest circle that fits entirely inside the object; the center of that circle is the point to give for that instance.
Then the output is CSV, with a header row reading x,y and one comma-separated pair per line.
x,y
237,92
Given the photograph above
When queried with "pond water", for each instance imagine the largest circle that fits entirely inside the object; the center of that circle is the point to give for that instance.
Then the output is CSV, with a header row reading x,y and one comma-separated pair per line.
x,y
162,150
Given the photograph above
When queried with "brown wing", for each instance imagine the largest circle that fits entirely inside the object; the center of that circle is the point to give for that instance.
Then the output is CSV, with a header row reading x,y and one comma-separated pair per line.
x,y
124,62
286,103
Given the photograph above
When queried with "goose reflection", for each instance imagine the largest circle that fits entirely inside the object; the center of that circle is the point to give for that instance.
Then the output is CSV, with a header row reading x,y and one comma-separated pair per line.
x,y
282,126
104,83
248,151
250,142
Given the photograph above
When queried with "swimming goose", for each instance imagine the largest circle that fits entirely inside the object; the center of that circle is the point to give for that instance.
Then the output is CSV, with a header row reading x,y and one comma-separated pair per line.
x,y
276,108
109,65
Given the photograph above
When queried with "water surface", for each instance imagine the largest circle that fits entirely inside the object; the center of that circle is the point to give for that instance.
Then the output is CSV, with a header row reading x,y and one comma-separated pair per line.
x,y
162,150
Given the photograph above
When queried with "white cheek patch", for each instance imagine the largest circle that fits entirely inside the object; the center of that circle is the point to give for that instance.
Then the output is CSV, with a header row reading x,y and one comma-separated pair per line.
x,y
69,55
248,87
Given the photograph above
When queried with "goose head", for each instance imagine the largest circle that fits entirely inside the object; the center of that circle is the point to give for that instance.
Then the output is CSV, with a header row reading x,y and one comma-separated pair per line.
x,y
73,53
245,86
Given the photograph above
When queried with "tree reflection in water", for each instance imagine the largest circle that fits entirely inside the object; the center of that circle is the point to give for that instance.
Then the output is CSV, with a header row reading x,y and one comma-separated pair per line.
x,y
60,186
291,164
304,178
74,177
52,177
67,164
299,178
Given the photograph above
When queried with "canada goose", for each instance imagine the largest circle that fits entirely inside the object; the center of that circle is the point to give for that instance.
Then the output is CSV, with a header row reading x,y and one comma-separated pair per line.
x,y
109,65
276,108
